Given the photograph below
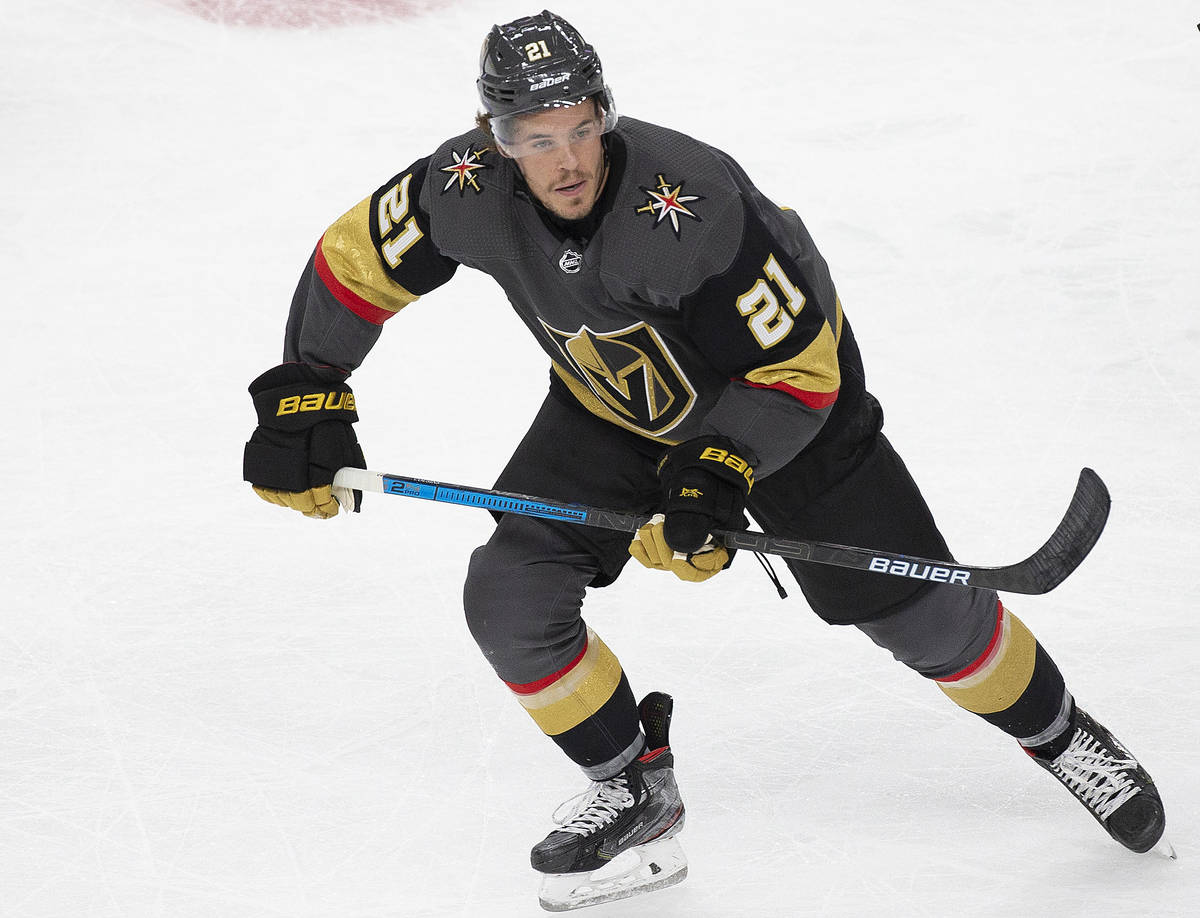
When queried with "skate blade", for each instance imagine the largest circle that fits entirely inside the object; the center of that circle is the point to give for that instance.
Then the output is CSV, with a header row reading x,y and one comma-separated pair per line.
x,y
1165,849
641,869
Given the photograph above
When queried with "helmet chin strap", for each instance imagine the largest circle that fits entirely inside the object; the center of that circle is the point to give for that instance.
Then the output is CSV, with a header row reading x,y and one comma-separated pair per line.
x,y
604,164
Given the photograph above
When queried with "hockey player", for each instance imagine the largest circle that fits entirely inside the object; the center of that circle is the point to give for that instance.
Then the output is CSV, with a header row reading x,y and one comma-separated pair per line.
x,y
701,367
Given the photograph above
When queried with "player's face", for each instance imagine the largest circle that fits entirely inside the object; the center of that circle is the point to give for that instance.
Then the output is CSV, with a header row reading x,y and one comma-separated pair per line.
x,y
561,155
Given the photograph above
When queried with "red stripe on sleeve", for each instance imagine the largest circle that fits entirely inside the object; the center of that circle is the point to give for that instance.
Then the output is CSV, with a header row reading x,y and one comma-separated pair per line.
x,y
362,308
530,688
815,400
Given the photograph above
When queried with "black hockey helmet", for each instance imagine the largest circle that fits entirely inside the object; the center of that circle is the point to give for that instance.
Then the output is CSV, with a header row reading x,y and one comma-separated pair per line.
x,y
539,62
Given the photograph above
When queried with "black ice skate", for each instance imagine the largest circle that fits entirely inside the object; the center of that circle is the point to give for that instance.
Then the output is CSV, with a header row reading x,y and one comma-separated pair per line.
x,y
617,838
1105,777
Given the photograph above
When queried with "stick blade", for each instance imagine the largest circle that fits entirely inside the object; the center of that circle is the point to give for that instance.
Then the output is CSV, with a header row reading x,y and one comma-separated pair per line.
x,y
1068,545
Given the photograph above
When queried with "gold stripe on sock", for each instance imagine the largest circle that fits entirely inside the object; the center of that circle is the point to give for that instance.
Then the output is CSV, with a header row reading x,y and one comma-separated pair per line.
x,y
579,694
1001,680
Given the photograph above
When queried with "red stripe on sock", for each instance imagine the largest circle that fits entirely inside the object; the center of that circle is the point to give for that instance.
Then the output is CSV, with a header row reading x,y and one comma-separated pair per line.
x,y
529,688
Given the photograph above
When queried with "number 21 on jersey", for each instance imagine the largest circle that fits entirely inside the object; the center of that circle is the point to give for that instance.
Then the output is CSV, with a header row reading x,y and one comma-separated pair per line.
x,y
768,319
393,214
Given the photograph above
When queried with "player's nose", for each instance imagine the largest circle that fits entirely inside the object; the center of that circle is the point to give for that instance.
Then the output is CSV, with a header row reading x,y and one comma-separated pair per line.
x,y
568,159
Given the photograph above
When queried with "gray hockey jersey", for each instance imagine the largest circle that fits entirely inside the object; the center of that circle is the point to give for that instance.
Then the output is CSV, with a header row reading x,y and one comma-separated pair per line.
x,y
693,306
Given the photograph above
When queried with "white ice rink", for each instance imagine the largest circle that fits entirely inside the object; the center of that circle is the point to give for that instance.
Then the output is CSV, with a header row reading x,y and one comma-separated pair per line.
x,y
212,708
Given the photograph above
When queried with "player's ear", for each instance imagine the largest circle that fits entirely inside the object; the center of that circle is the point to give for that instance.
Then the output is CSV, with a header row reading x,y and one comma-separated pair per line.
x,y
483,121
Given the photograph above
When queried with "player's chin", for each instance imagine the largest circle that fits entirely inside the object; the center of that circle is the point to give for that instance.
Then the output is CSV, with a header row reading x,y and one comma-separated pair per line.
x,y
574,208
575,213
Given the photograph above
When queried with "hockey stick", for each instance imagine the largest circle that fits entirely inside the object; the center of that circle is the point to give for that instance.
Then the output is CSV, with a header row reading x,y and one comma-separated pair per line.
x,y
1041,572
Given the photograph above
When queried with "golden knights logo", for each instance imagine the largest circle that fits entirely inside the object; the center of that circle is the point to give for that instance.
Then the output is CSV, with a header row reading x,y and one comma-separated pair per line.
x,y
667,203
631,373
462,170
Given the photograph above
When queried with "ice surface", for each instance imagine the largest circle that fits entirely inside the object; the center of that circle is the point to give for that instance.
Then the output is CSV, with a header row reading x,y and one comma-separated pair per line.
x,y
211,707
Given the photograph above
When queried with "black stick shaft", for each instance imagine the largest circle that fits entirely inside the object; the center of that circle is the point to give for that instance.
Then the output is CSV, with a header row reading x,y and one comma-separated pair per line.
x,y
1041,572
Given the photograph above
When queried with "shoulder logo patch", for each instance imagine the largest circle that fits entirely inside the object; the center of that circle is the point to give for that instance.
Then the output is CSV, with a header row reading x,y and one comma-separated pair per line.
x,y
462,170
667,203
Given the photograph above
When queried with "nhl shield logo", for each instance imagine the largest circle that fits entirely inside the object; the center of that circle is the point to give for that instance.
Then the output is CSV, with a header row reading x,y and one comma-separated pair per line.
x,y
632,374
570,262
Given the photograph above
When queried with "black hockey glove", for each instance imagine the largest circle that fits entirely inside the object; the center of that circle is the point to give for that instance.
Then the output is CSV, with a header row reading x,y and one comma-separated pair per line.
x,y
705,483
303,437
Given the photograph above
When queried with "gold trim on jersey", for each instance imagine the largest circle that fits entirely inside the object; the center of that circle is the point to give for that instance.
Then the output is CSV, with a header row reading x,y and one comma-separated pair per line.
x,y
588,400
627,377
354,261
815,369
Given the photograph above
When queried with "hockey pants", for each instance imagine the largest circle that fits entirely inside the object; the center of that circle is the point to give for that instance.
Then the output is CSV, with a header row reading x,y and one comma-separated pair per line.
x,y
525,588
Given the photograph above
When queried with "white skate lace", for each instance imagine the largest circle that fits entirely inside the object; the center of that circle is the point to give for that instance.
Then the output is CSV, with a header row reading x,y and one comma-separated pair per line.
x,y
595,807
1095,775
